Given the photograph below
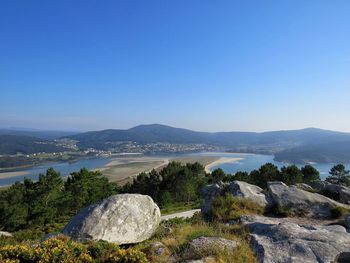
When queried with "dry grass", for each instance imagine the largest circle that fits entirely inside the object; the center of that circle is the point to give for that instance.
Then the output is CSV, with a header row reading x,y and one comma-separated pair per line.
x,y
228,207
177,243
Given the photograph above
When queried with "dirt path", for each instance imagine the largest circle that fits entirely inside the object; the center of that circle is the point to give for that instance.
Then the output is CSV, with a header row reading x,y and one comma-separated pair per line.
x,y
186,214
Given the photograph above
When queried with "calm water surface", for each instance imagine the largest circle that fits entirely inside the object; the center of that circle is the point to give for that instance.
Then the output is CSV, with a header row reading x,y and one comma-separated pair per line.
x,y
251,162
248,163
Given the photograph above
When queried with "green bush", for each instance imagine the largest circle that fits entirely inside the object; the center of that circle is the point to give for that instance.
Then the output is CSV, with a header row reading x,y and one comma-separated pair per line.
x,y
281,210
62,249
229,207
339,212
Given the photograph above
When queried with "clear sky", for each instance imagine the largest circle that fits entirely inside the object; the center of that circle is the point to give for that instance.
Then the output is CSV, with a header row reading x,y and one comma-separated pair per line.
x,y
203,65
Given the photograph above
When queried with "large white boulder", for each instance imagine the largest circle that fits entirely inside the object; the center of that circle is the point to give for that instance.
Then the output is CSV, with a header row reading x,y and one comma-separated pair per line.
x,y
123,219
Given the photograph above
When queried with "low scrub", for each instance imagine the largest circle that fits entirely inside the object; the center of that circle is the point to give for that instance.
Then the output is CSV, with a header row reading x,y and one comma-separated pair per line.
x,y
184,231
62,249
339,212
228,207
281,210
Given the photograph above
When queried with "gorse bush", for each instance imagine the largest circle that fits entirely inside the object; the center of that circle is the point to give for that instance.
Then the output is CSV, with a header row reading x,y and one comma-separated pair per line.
x,y
228,207
59,249
63,250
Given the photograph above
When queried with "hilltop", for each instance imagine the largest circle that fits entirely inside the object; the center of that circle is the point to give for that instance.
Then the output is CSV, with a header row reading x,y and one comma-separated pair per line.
x,y
295,146
291,146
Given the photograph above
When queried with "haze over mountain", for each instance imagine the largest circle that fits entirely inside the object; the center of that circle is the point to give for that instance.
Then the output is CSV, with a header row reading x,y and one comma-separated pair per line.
x,y
42,134
288,146
293,146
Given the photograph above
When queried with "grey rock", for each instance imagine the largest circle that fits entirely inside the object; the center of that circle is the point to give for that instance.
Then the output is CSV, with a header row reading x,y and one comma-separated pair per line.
x,y
237,188
159,249
204,245
318,185
202,260
342,258
122,219
347,221
302,202
248,191
304,187
209,193
5,234
275,242
340,192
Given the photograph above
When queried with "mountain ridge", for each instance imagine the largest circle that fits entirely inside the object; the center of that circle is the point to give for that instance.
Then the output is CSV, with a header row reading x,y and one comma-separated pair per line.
x,y
271,142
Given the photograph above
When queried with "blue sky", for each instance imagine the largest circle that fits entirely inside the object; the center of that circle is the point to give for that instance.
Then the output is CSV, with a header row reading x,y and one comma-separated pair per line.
x,y
203,65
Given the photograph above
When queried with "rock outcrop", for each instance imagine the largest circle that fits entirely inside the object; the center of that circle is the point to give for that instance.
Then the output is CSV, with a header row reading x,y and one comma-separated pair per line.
x,y
5,234
236,188
123,219
347,222
304,187
302,202
338,192
209,193
248,191
277,241
203,245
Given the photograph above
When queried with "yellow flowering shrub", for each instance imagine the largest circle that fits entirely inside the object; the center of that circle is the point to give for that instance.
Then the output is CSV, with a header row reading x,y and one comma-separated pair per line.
x,y
127,256
61,249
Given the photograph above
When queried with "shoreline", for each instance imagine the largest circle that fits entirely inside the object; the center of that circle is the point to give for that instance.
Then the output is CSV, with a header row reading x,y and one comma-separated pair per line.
x,y
221,160
4,175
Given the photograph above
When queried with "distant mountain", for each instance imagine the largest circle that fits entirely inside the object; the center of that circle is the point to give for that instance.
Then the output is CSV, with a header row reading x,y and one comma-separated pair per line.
x,y
47,135
13,144
290,146
324,152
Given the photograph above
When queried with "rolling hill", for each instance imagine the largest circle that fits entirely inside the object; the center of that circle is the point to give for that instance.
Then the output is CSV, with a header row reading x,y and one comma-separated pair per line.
x,y
295,146
46,135
13,144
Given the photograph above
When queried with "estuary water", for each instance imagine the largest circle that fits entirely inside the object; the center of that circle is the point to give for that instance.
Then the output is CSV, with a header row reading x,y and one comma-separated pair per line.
x,y
65,168
247,163
250,162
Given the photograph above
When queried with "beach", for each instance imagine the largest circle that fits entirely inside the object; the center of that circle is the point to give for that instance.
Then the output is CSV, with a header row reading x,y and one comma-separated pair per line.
x,y
221,160
123,170
12,174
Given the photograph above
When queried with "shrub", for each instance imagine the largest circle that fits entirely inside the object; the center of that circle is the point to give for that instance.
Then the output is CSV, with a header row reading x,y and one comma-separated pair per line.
x,y
281,210
62,249
339,212
59,249
229,207
101,248
127,256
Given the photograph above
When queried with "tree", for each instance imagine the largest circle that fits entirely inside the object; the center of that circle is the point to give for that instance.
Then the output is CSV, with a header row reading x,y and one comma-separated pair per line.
x,y
339,175
44,196
13,207
218,175
241,176
310,174
291,175
267,172
84,188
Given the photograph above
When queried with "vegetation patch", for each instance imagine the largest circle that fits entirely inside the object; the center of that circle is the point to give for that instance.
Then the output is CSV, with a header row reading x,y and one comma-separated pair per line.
x,y
62,249
339,212
281,210
228,207
183,231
